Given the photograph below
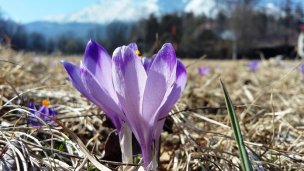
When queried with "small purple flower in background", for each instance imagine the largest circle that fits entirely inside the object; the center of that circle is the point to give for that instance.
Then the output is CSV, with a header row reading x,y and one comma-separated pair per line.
x,y
37,59
253,66
43,110
301,67
203,71
133,92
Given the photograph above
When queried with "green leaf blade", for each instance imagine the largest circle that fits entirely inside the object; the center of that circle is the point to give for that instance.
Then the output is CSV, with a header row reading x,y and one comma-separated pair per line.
x,y
237,131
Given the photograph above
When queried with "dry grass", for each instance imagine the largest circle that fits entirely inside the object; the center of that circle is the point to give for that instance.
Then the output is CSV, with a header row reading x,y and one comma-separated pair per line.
x,y
198,136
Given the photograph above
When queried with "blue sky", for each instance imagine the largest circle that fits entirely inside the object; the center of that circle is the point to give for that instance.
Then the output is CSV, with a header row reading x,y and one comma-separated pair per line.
x,y
31,10
25,11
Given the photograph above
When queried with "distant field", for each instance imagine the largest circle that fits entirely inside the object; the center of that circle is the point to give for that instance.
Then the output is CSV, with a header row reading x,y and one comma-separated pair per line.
x,y
269,103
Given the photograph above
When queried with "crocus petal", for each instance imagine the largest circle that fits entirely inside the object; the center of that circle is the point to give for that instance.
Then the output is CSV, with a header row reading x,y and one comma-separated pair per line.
x,y
98,62
53,113
103,99
150,63
302,69
32,106
253,65
203,70
129,79
32,119
44,109
179,85
161,77
44,112
145,62
74,75
133,46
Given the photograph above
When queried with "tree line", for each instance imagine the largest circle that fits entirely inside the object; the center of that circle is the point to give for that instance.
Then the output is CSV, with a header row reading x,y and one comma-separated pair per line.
x,y
239,28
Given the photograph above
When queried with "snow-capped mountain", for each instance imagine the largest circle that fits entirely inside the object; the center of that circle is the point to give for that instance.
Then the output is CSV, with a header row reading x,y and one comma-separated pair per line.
x,y
106,11
128,11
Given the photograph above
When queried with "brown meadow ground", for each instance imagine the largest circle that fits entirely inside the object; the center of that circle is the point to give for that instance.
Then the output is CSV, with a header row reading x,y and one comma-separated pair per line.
x,y
197,136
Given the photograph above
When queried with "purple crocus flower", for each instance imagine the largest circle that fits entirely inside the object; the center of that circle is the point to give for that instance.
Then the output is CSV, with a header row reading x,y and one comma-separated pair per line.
x,y
42,113
253,66
146,95
37,59
93,79
301,67
131,89
203,71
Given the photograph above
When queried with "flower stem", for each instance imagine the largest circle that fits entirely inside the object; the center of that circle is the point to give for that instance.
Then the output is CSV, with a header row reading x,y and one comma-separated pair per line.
x,y
125,140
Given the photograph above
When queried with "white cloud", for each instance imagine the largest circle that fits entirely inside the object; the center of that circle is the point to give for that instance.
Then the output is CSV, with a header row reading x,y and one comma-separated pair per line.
x,y
107,11
272,9
209,8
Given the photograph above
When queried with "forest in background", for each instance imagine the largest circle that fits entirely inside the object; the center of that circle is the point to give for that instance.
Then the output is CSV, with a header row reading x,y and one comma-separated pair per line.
x,y
238,30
